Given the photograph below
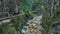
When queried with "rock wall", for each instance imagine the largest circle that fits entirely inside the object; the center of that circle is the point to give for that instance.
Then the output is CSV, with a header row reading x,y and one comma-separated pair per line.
x,y
8,8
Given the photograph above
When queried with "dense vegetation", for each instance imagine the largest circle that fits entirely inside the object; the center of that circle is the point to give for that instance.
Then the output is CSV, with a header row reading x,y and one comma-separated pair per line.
x,y
49,16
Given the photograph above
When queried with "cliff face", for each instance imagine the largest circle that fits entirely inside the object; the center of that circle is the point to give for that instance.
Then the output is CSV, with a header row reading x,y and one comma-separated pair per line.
x,y
8,8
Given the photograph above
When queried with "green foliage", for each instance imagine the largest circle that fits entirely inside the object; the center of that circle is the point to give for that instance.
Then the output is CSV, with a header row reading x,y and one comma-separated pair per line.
x,y
18,22
7,29
36,3
27,4
48,21
12,27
